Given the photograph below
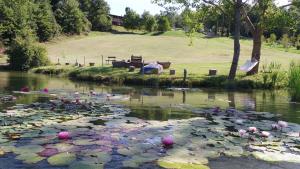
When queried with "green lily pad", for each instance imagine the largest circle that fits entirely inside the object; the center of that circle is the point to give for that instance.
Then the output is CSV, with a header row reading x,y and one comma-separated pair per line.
x,y
28,149
62,147
30,158
98,157
277,156
85,165
62,159
175,165
83,142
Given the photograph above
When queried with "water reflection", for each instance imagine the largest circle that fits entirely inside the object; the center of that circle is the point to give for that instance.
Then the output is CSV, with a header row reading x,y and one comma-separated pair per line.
x,y
157,104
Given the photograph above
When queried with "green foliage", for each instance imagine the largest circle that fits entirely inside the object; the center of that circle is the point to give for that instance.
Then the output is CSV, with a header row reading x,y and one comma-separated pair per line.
x,y
131,19
272,40
272,75
46,26
24,54
71,18
15,19
294,81
297,44
148,21
285,41
97,12
191,24
163,24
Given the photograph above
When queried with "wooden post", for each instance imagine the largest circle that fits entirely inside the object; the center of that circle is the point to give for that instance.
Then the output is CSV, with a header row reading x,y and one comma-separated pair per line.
x,y
84,60
58,61
143,68
184,75
102,60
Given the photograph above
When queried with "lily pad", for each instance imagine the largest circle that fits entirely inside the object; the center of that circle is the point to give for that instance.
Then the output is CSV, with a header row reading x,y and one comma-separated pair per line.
x,y
175,165
62,159
30,158
28,149
83,142
277,156
85,165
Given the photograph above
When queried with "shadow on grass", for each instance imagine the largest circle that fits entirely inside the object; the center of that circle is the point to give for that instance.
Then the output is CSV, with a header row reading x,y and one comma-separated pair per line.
x,y
157,33
127,33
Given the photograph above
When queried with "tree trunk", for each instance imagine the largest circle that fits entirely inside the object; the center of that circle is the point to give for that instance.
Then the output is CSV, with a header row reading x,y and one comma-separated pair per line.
x,y
237,26
256,50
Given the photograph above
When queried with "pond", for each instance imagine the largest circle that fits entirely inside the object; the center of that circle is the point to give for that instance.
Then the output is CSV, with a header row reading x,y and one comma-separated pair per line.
x,y
122,126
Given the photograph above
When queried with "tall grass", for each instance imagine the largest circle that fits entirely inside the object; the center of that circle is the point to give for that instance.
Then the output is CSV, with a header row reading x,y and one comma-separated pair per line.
x,y
294,81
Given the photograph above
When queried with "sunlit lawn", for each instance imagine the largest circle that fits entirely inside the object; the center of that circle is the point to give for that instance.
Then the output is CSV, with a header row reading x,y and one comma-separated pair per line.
x,y
171,46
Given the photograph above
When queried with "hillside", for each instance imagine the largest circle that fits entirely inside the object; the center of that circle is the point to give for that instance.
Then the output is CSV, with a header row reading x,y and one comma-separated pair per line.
x,y
171,46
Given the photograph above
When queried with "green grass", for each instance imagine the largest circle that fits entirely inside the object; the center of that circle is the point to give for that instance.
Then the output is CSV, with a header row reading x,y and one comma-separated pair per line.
x,y
170,46
294,81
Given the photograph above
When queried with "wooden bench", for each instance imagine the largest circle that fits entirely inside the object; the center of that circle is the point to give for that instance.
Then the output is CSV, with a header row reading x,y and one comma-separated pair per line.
x,y
111,59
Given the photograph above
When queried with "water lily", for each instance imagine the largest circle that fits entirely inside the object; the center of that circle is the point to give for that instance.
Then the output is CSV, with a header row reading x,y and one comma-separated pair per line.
x,y
252,129
282,124
167,141
46,90
25,89
275,126
265,134
242,132
64,135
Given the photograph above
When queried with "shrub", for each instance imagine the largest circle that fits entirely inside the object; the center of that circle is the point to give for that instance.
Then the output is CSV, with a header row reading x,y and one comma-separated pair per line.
x,y
298,42
24,54
294,81
285,41
163,24
272,39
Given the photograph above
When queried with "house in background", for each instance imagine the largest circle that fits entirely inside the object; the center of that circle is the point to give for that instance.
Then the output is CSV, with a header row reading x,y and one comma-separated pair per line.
x,y
117,20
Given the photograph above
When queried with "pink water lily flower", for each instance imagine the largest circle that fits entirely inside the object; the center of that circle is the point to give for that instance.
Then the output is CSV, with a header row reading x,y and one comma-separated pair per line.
x,y
167,141
64,135
282,124
46,90
25,89
265,134
252,129
242,132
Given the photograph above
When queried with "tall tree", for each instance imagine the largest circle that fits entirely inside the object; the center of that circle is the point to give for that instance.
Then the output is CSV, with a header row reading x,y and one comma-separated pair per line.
x,y
71,18
16,19
46,25
148,21
131,19
97,12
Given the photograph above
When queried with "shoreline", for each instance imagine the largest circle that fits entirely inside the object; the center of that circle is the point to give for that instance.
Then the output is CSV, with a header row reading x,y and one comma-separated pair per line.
x,y
121,76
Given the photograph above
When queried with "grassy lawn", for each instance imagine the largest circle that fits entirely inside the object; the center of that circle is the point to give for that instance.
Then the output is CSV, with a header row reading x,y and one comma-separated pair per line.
x,y
171,46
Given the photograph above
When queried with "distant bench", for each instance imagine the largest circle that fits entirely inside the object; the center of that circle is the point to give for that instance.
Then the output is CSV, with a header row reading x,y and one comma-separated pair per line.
x,y
111,59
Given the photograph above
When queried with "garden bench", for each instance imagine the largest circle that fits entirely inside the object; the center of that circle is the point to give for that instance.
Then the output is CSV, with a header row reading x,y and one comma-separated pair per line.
x,y
111,59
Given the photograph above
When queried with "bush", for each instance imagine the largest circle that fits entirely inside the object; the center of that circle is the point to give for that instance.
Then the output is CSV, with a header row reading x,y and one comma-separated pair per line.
x,y
272,39
294,81
24,54
163,24
285,41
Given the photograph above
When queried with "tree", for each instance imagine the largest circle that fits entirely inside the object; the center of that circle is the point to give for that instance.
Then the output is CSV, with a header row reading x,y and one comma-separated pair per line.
x,y
131,19
97,12
163,24
15,19
191,23
46,25
237,10
24,54
71,18
148,21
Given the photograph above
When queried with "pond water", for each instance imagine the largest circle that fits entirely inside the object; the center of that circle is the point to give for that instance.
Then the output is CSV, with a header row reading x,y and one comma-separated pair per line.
x,y
122,126
156,104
